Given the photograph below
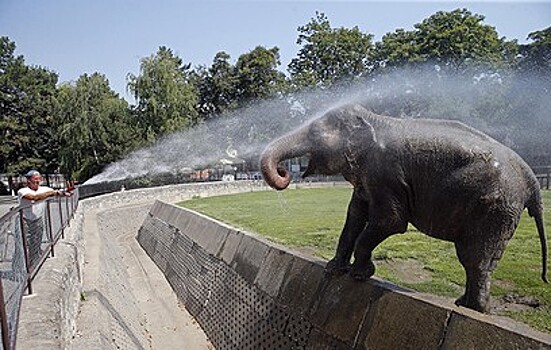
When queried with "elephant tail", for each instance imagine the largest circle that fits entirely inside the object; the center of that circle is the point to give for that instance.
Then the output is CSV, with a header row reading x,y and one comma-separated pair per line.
x,y
535,210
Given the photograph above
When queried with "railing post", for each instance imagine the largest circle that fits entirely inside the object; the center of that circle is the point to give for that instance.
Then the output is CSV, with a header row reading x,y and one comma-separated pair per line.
x,y
25,250
61,220
66,200
4,319
50,229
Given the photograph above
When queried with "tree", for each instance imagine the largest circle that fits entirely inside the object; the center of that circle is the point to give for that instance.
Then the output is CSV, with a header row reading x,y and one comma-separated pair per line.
x,y
398,49
257,76
40,105
329,54
166,97
224,87
95,126
456,40
27,102
11,107
536,56
217,87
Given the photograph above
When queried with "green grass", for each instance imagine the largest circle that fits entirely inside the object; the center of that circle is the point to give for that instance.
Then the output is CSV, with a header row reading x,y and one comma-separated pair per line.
x,y
311,220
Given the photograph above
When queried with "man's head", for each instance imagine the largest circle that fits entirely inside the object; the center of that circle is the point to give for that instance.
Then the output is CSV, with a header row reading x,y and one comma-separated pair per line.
x,y
33,179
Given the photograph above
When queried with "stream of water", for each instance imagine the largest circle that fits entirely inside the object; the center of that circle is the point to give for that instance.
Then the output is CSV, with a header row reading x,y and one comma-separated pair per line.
x,y
489,102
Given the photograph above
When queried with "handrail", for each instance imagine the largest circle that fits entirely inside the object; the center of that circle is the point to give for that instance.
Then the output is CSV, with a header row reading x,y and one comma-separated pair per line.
x,y
25,244
543,174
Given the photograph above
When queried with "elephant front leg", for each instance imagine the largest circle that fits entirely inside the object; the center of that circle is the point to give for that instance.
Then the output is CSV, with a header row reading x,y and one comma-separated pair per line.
x,y
363,267
356,220
387,219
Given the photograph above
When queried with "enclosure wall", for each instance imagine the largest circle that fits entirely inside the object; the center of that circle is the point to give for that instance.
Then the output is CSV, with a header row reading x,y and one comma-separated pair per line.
x,y
250,294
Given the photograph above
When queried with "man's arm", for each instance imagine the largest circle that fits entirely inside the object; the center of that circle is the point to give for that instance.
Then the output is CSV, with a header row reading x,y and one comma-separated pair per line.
x,y
40,196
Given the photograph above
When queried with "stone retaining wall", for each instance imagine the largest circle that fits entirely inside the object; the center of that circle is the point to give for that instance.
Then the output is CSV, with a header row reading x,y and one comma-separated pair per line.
x,y
250,294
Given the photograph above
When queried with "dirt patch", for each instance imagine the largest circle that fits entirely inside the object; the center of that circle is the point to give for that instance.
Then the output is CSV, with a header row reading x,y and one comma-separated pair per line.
x,y
408,271
514,302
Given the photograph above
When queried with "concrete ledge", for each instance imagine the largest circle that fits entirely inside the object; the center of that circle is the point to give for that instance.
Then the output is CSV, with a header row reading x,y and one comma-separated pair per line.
x,y
400,321
483,332
247,293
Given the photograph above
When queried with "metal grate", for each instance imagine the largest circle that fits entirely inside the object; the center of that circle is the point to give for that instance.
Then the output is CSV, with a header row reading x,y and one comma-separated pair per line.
x,y
234,313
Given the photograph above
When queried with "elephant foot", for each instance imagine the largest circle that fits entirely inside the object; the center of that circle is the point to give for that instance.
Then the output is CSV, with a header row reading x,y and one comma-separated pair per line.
x,y
461,301
337,267
472,304
362,273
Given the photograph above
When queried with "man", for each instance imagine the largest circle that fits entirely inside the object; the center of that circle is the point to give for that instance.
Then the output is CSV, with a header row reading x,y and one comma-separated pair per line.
x,y
32,199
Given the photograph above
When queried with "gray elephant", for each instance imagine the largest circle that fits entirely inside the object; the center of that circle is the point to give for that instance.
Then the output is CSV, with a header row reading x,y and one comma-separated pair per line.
x,y
449,180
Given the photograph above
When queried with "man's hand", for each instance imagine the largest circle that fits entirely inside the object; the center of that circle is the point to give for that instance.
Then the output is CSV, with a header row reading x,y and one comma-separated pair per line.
x,y
64,193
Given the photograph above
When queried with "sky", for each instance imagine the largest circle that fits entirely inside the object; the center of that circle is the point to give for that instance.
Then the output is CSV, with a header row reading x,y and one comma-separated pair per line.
x,y
111,36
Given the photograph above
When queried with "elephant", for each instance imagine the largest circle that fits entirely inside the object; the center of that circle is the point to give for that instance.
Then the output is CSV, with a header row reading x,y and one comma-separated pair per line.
x,y
447,179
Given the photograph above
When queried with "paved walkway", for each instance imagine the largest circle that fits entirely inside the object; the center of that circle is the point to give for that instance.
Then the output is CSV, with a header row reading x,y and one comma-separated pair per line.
x,y
127,298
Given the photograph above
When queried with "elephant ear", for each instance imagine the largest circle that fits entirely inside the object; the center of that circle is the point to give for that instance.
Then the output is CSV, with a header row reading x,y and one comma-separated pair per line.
x,y
362,137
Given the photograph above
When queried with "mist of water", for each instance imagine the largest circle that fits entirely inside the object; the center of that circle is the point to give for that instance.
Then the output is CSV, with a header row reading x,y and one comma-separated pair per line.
x,y
514,110
220,141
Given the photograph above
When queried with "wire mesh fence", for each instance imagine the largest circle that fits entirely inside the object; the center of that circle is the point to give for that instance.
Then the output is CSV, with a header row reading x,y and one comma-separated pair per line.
x,y
27,237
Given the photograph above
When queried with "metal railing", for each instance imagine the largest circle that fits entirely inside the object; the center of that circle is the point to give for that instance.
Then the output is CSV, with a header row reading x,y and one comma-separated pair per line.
x,y
543,174
26,241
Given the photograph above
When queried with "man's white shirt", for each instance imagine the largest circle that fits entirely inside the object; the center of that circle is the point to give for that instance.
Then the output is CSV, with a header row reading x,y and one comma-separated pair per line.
x,y
36,209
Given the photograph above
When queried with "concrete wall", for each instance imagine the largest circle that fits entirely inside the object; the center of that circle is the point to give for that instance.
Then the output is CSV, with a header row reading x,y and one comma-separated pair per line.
x,y
250,294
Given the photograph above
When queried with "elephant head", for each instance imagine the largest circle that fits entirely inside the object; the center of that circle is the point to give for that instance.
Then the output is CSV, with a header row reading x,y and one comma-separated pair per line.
x,y
329,141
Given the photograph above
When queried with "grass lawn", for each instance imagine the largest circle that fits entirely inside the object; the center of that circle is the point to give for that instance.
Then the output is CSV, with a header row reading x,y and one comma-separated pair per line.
x,y
311,220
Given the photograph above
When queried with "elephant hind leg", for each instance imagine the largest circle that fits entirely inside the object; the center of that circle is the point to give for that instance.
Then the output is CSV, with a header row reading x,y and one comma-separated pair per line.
x,y
479,259
479,249
477,291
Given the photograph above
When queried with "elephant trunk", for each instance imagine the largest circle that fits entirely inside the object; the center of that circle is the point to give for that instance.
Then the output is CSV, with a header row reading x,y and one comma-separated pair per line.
x,y
286,147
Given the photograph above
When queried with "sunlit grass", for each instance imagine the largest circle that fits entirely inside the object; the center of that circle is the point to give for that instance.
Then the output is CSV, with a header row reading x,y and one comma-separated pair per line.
x,y
311,220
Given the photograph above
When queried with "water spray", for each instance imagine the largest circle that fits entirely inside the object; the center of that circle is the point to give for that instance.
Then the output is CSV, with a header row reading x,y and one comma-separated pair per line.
x,y
489,101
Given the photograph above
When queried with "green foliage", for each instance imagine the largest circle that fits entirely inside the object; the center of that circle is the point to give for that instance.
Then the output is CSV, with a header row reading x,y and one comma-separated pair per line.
x,y
329,54
310,220
95,126
398,49
257,75
217,87
456,39
27,102
224,87
165,94
536,56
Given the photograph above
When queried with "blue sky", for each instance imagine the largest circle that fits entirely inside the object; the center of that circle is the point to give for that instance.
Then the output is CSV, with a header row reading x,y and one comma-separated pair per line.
x,y
111,36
